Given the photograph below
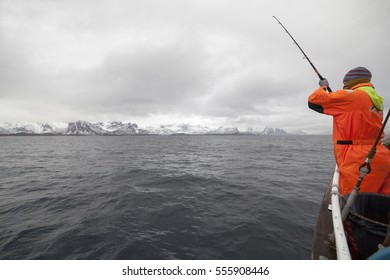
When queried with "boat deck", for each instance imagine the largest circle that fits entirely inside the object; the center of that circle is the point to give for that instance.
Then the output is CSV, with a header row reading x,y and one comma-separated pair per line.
x,y
323,248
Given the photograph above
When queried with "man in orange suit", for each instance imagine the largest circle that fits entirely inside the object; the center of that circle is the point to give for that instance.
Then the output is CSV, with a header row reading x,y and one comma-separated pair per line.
x,y
357,112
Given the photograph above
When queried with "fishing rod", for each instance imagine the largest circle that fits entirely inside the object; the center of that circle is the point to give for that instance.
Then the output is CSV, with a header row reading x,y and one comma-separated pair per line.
x,y
305,56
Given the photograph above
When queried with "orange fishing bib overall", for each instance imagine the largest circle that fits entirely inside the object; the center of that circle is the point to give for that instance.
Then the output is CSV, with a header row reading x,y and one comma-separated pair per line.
x,y
356,124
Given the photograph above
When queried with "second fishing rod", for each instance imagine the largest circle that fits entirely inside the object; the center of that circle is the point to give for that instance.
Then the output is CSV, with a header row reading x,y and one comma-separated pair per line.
x,y
305,56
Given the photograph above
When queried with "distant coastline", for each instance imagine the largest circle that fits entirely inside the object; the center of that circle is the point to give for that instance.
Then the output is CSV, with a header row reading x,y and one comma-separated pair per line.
x,y
157,135
118,128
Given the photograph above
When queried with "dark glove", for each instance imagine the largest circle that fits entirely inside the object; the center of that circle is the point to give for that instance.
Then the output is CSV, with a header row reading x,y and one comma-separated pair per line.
x,y
324,83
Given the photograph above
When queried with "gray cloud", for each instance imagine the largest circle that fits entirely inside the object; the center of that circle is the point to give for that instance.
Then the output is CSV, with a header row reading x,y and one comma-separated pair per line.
x,y
221,62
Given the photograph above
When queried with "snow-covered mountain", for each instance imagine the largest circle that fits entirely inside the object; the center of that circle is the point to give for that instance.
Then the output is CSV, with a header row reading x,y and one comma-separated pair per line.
x,y
32,128
72,128
83,128
101,128
224,130
273,131
171,129
123,128
120,128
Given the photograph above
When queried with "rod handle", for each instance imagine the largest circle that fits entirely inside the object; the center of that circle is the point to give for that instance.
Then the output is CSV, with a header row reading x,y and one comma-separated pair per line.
x,y
322,78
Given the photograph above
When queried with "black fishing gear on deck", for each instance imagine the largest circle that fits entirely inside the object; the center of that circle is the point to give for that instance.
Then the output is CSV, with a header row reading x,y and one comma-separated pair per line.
x,y
305,56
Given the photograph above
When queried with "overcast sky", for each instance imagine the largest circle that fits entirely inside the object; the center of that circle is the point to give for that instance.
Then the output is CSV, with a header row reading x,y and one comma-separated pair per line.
x,y
208,62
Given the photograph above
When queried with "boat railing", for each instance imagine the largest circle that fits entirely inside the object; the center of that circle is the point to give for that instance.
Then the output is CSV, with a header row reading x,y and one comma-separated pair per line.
x,y
342,249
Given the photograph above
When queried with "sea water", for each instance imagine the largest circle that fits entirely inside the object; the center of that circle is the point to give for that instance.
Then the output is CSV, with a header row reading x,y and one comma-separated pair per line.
x,y
161,197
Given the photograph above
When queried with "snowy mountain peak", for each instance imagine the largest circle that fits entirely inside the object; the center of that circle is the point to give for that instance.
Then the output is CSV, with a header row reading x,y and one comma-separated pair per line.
x,y
83,128
273,131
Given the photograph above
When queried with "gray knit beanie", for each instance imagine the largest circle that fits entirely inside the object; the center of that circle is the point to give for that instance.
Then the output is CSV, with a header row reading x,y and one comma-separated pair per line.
x,y
358,73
